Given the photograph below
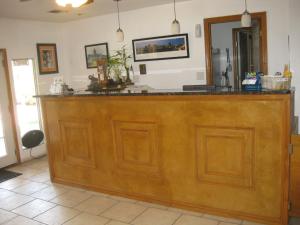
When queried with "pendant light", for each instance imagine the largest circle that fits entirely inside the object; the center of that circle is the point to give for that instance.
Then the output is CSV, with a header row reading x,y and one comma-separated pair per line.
x,y
73,3
175,29
246,17
119,33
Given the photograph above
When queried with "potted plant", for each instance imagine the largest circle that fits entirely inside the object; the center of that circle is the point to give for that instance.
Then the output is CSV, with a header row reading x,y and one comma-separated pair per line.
x,y
114,66
124,58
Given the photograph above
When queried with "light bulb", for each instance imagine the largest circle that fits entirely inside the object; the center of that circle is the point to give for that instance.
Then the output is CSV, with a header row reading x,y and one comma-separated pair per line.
x,y
246,19
175,29
120,35
74,3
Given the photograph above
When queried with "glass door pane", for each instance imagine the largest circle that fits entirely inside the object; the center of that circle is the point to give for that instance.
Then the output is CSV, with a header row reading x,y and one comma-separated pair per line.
x,y
28,114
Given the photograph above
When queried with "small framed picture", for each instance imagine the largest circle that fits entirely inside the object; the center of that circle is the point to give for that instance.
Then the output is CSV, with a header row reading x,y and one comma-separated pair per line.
x,y
94,53
161,48
47,58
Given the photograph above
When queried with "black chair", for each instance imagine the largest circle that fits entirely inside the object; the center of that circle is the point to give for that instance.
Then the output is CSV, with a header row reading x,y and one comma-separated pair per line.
x,y
32,139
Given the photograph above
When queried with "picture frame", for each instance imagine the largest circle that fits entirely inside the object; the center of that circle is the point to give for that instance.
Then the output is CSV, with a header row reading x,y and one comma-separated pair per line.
x,y
47,58
94,53
161,48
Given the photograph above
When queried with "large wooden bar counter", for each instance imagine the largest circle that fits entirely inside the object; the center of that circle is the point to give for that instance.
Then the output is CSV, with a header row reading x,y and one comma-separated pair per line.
x,y
223,153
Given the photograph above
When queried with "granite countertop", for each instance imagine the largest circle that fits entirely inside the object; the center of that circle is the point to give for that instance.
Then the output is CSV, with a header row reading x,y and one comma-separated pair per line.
x,y
142,91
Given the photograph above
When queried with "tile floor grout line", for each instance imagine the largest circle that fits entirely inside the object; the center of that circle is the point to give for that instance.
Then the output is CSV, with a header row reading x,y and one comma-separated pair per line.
x,y
186,213
72,218
28,195
32,218
41,213
70,200
9,219
180,215
100,214
20,205
117,220
48,199
108,221
146,208
17,215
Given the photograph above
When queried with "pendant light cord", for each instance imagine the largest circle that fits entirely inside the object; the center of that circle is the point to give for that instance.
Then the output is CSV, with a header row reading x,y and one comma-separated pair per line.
x,y
246,7
175,10
118,14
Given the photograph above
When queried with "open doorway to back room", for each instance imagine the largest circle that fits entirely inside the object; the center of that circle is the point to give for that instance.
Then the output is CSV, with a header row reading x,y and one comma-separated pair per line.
x,y
27,106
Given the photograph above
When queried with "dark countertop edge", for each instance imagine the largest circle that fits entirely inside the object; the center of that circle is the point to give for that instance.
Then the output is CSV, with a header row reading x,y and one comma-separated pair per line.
x,y
180,93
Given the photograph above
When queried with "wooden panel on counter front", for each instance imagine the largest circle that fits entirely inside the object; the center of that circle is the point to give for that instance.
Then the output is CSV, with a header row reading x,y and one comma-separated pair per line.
x,y
295,177
77,142
224,155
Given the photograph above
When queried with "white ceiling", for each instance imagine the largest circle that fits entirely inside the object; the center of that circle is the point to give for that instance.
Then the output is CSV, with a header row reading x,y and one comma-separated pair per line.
x,y
38,9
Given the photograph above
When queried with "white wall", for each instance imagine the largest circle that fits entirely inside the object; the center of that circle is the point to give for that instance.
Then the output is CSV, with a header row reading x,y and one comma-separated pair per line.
x,y
19,38
147,22
155,21
295,48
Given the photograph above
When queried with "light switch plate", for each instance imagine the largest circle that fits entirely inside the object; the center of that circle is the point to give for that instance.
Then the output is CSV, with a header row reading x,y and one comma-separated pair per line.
x,y
200,75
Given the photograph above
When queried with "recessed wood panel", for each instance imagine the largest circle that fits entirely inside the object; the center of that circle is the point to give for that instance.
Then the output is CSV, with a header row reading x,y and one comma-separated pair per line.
x,y
137,148
225,155
77,143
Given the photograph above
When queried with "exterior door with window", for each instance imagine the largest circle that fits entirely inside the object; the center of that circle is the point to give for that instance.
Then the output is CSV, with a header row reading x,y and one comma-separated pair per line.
x,y
7,143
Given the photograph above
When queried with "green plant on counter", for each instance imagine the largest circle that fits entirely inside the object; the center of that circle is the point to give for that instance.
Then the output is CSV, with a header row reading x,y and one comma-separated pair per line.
x,y
124,57
114,67
119,62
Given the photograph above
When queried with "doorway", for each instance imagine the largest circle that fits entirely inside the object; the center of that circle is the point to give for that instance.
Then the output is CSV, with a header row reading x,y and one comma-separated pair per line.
x,y
222,54
27,106
9,151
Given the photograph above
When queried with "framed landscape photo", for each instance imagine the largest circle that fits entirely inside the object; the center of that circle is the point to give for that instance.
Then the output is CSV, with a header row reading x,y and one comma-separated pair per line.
x,y
47,58
94,53
161,48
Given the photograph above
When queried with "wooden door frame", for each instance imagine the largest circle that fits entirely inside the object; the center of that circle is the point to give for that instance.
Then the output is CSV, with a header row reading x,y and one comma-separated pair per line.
x,y
208,22
11,104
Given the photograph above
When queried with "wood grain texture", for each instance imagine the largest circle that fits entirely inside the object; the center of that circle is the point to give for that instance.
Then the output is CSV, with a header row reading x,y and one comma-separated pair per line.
x,y
77,143
225,155
213,154
295,177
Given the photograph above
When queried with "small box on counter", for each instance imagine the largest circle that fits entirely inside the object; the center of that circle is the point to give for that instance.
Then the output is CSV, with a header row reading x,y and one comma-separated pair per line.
x,y
276,82
252,82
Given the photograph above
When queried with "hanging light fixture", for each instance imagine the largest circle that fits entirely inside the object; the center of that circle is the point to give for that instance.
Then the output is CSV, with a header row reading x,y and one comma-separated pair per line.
x,y
175,29
119,33
246,17
73,3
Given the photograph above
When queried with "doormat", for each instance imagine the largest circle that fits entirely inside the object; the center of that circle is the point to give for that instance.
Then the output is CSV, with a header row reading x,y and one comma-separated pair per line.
x,y
7,175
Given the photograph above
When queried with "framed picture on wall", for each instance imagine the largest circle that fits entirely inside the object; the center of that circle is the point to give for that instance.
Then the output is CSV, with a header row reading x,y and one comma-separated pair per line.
x,y
94,53
47,58
161,48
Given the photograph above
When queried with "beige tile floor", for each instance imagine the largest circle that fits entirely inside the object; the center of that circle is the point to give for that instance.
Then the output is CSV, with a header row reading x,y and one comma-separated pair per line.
x,y
31,199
